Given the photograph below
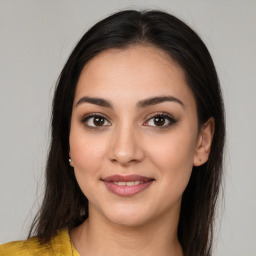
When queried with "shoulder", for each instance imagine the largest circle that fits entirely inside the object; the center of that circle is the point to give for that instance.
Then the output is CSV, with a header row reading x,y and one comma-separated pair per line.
x,y
28,247
59,245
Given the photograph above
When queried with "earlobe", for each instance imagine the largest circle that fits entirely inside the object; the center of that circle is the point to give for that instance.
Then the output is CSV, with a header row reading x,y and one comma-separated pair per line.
x,y
70,161
204,143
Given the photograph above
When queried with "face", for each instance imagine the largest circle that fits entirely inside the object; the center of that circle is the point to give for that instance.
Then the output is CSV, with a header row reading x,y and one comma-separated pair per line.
x,y
134,135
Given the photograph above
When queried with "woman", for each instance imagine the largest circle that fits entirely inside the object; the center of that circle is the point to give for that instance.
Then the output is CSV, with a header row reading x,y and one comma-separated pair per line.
x,y
135,161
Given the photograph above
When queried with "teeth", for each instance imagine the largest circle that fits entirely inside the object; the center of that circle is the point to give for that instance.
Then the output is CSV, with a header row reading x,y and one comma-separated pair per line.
x,y
128,183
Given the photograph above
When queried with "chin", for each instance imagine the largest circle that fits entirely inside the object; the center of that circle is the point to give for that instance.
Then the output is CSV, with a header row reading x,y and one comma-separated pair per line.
x,y
128,216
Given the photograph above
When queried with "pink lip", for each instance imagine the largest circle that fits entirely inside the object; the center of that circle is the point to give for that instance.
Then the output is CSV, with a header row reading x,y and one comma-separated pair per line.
x,y
127,190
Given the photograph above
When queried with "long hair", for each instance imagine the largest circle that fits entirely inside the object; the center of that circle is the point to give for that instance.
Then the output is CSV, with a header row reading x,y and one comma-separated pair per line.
x,y
64,204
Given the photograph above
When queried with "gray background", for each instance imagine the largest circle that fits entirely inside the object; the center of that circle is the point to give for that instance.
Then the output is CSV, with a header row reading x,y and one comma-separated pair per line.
x,y
36,38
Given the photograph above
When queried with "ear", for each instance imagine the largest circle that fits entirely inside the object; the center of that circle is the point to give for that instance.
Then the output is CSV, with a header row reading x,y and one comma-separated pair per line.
x,y
204,142
70,161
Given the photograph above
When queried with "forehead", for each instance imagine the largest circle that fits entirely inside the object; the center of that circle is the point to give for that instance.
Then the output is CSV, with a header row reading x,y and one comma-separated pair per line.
x,y
137,71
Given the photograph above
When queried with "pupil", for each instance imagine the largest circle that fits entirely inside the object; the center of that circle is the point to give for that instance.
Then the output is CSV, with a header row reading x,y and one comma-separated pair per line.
x,y
98,121
159,121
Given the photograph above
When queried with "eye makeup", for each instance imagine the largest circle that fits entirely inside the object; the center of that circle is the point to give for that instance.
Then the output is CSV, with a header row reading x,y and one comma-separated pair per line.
x,y
95,121
159,120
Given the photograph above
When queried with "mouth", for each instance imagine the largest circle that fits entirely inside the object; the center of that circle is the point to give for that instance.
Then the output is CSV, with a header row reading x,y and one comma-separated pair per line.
x,y
127,185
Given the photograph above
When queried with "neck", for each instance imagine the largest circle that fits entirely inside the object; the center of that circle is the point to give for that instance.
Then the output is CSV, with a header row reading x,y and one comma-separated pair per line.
x,y
97,236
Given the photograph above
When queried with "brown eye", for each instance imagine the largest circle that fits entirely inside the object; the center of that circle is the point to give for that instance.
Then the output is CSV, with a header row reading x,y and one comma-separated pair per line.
x,y
161,121
94,121
98,121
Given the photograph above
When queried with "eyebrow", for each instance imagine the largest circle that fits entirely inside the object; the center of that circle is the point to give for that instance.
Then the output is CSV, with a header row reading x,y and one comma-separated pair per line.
x,y
141,104
96,101
158,100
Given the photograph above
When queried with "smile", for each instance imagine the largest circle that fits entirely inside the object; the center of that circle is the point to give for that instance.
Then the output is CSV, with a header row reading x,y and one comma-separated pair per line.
x,y
127,185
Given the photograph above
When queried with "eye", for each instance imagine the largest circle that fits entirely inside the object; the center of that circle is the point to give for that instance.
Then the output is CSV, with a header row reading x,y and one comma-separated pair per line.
x,y
161,121
95,120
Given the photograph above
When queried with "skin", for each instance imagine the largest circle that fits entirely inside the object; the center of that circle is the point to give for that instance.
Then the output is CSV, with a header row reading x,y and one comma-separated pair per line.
x,y
129,141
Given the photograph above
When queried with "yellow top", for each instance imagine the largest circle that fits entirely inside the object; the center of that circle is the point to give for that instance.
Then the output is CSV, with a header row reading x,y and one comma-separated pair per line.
x,y
59,245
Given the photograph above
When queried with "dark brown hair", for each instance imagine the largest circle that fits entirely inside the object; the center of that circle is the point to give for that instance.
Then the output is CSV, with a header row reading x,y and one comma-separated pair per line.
x,y
64,205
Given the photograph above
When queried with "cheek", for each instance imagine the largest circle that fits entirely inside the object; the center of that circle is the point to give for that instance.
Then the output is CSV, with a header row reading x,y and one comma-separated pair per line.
x,y
87,155
173,157
86,150
174,150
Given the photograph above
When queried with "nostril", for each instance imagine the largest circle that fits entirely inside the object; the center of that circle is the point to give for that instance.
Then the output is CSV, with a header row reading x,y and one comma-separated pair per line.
x,y
124,146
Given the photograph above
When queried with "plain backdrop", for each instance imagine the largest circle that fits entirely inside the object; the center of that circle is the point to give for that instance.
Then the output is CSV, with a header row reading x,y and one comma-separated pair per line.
x,y
36,38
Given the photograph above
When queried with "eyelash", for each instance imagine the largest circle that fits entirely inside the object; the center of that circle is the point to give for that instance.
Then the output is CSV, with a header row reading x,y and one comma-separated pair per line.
x,y
166,116
93,115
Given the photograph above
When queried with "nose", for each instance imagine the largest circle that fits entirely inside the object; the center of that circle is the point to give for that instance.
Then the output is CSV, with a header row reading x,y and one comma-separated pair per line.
x,y
125,146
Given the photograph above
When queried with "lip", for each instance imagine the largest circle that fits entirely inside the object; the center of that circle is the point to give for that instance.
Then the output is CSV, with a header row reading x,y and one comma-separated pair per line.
x,y
125,190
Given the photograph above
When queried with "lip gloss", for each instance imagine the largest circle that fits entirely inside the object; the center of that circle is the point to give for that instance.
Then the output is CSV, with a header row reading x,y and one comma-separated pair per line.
x,y
127,185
